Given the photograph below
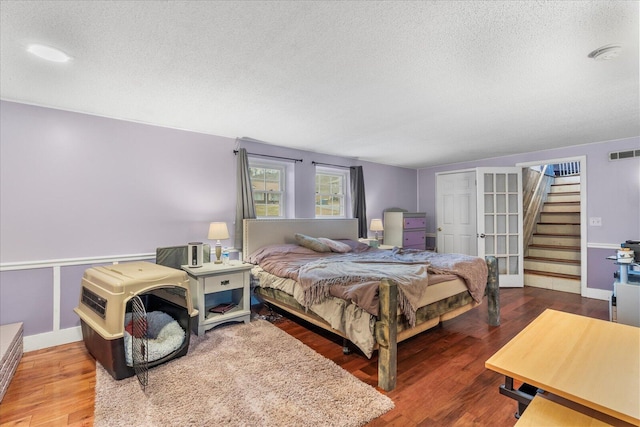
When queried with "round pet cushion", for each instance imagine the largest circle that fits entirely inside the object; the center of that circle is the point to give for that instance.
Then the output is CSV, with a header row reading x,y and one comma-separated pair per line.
x,y
164,336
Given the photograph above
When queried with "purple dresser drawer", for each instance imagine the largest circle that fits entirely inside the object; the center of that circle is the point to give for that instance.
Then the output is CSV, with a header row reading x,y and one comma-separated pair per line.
x,y
414,239
415,222
421,247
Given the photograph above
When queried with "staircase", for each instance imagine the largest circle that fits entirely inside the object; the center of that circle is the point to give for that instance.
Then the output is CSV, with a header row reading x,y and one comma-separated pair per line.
x,y
553,257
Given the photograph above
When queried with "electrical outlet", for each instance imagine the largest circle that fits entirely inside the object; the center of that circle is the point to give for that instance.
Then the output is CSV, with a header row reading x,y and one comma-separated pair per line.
x,y
595,221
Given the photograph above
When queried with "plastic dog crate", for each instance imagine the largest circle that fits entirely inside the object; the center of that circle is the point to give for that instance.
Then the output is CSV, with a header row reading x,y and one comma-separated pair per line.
x,y
106,300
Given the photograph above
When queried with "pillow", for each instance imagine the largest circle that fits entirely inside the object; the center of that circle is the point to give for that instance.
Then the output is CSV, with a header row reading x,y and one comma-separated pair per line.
x,y
311,243
335,246
356,246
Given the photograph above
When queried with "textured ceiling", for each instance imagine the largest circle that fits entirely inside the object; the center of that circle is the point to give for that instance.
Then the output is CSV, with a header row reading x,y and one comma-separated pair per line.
x,y
403,83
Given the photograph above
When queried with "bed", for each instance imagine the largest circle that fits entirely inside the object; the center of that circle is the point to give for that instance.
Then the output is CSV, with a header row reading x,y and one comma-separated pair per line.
x,y
372,319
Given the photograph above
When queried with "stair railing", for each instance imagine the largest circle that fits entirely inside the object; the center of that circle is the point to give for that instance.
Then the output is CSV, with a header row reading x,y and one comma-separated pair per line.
x,y
567,168
536,200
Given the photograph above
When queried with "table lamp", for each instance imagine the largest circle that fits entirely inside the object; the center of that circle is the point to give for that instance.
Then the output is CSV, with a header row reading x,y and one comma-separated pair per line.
x,y
376,225
217,231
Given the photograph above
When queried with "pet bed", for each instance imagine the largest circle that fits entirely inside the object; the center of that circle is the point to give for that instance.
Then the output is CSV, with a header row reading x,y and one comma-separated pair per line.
x,y
163,332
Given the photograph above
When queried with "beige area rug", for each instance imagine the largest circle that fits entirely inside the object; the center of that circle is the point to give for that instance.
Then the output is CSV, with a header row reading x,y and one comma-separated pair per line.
x,y
240,375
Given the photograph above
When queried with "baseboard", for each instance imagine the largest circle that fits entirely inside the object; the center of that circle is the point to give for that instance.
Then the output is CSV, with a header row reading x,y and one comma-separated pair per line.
x,y
51,339
597,294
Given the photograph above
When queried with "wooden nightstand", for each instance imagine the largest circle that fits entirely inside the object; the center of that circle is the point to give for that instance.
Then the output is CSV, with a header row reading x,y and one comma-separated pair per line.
x,y
214,284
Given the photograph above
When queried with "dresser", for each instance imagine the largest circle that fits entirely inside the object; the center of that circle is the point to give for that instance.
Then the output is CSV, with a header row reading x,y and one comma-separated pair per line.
x,y
405,229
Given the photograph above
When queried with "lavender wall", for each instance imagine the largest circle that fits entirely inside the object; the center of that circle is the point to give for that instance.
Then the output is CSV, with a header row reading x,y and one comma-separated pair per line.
x,y
76,186
613,194
26,296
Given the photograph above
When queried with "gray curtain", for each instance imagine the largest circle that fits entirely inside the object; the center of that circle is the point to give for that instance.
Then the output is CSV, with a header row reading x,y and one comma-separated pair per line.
x,y
245,208
358,199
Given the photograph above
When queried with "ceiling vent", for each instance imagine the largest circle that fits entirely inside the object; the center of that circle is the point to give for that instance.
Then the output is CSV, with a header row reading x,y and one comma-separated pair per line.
x,y
619,155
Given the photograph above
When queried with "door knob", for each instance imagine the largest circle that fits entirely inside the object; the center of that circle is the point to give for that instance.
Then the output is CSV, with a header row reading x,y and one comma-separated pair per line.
x,y
482,235
439,228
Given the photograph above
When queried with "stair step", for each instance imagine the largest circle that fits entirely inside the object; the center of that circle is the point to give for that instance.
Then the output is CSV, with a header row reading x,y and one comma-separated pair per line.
x,y
563,197
565,247
569,179
556,281
545,259
556,239
565,188
561,207
555,252
552,265
549,274
558,228
560,217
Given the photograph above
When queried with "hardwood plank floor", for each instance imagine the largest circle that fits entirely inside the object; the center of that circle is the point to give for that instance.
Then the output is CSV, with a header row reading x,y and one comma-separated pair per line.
x,y
441,376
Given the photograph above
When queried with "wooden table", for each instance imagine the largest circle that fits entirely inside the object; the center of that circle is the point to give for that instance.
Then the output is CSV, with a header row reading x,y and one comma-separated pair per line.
x,y
591,362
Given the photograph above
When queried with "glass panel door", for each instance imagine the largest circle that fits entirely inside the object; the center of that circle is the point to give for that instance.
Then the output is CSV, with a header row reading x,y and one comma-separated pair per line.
x,y
500,221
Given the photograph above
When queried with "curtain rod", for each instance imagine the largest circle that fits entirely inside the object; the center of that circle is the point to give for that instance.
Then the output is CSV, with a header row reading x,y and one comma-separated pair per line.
x,y
329,164
273,157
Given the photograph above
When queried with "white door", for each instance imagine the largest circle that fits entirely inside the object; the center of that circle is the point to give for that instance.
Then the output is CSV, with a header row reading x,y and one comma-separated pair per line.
x,y
499,221
456,213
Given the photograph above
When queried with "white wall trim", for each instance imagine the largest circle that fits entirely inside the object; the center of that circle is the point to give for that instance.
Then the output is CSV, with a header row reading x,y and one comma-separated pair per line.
x,y
51,339
59,336
612,246
594,293
56,298
29,265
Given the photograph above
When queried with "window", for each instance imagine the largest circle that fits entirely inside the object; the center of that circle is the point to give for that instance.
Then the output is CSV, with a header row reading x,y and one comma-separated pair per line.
x,y
268,181
330,193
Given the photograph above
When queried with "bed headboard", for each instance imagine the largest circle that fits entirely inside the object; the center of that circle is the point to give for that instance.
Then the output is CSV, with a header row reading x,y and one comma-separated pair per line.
x,y
262,232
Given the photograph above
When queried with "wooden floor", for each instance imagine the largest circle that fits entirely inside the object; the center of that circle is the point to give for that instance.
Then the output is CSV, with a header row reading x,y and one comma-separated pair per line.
x,y
441,376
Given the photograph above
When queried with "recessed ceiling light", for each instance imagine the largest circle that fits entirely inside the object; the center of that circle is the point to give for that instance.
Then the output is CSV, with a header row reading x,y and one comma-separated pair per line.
x,y
47,52
607,52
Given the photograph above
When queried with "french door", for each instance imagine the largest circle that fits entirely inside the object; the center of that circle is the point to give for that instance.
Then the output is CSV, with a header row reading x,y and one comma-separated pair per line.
x,y
499,221
479,212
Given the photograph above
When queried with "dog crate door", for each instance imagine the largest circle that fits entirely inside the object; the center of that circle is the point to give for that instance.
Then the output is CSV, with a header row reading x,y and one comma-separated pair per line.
x,y
140,341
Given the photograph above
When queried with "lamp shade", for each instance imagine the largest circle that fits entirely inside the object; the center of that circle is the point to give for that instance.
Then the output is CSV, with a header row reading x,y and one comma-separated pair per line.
x,y
376,225
218,231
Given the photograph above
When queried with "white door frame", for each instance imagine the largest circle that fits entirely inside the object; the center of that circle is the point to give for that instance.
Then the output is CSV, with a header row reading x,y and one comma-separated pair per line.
x,y
584,290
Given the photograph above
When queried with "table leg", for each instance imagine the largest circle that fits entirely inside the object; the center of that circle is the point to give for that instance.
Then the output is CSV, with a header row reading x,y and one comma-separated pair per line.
x,y
523,395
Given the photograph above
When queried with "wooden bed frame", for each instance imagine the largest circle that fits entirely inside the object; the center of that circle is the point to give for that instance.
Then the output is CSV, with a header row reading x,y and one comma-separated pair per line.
x,y
262,232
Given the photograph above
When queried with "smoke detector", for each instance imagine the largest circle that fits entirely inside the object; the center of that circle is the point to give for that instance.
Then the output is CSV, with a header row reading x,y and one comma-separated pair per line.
x,y
606,53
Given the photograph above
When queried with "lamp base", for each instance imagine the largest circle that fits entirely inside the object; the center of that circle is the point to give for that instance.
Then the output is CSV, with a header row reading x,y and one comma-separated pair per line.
x,y
218,253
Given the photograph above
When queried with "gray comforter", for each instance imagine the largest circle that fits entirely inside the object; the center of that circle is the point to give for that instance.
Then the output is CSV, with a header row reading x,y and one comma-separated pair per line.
x,y
355,276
